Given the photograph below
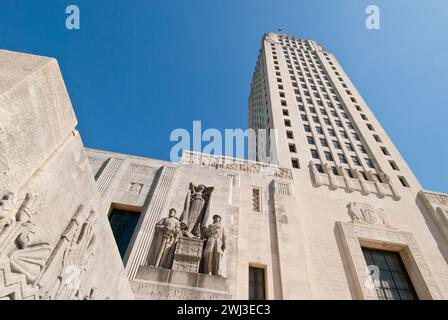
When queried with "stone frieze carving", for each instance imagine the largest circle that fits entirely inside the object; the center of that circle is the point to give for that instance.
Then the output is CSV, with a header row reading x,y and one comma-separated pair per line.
x,y
31,266
356,183
364,213
221,162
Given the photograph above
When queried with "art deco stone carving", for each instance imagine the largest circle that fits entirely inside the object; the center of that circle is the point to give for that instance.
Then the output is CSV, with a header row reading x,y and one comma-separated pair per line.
x,y
180,244
196,210
215,246
437,205
315,173
352,233
357,183
135,188
221,162
168,229
188,254
31,267
365,213
256,199
331,177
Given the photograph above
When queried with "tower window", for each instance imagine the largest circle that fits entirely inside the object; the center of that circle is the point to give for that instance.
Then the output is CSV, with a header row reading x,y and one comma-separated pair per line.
x,y
403,181
370,163
292,148
356,161
385,151
393,165
314,154
295,163
328,156
377,138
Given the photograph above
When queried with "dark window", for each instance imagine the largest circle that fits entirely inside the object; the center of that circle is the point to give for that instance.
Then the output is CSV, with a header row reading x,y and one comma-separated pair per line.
x,y
307,128
289,134
336,144
403,181
349,173
349,146
257,290
328,156
323,143
356,161
342,158
370,163
310,140
385,151
295,163
335,171
393,165
292,148
123,224
314,154
394,282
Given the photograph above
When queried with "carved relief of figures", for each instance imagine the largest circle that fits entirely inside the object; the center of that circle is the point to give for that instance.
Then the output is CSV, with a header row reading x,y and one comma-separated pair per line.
x,y
215,246
365,213
196,209
232,164
168,230
26,253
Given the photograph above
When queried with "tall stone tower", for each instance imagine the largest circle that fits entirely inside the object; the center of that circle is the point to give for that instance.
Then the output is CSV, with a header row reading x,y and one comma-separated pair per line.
x,y
343,163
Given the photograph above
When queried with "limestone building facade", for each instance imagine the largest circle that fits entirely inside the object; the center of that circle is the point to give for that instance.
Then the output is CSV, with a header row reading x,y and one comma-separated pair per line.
x,y
326,208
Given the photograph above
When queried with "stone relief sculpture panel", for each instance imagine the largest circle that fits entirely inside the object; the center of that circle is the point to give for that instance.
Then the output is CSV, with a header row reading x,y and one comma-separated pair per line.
x,y
364,213
34,269
188,243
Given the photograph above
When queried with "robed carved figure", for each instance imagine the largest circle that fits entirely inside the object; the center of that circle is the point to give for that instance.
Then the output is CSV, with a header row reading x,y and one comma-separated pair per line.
x,y
215,246
196,210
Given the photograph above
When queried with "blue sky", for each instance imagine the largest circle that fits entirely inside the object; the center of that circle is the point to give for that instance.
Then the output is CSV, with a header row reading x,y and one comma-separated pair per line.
x,y
138,69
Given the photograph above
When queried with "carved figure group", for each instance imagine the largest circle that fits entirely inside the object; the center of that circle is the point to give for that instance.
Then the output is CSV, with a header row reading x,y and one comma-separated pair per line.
x,y
192,226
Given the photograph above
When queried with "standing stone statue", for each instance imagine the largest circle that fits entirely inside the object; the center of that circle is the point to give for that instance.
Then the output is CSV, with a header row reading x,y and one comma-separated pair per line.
x,y
196,208
214,249
169,229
